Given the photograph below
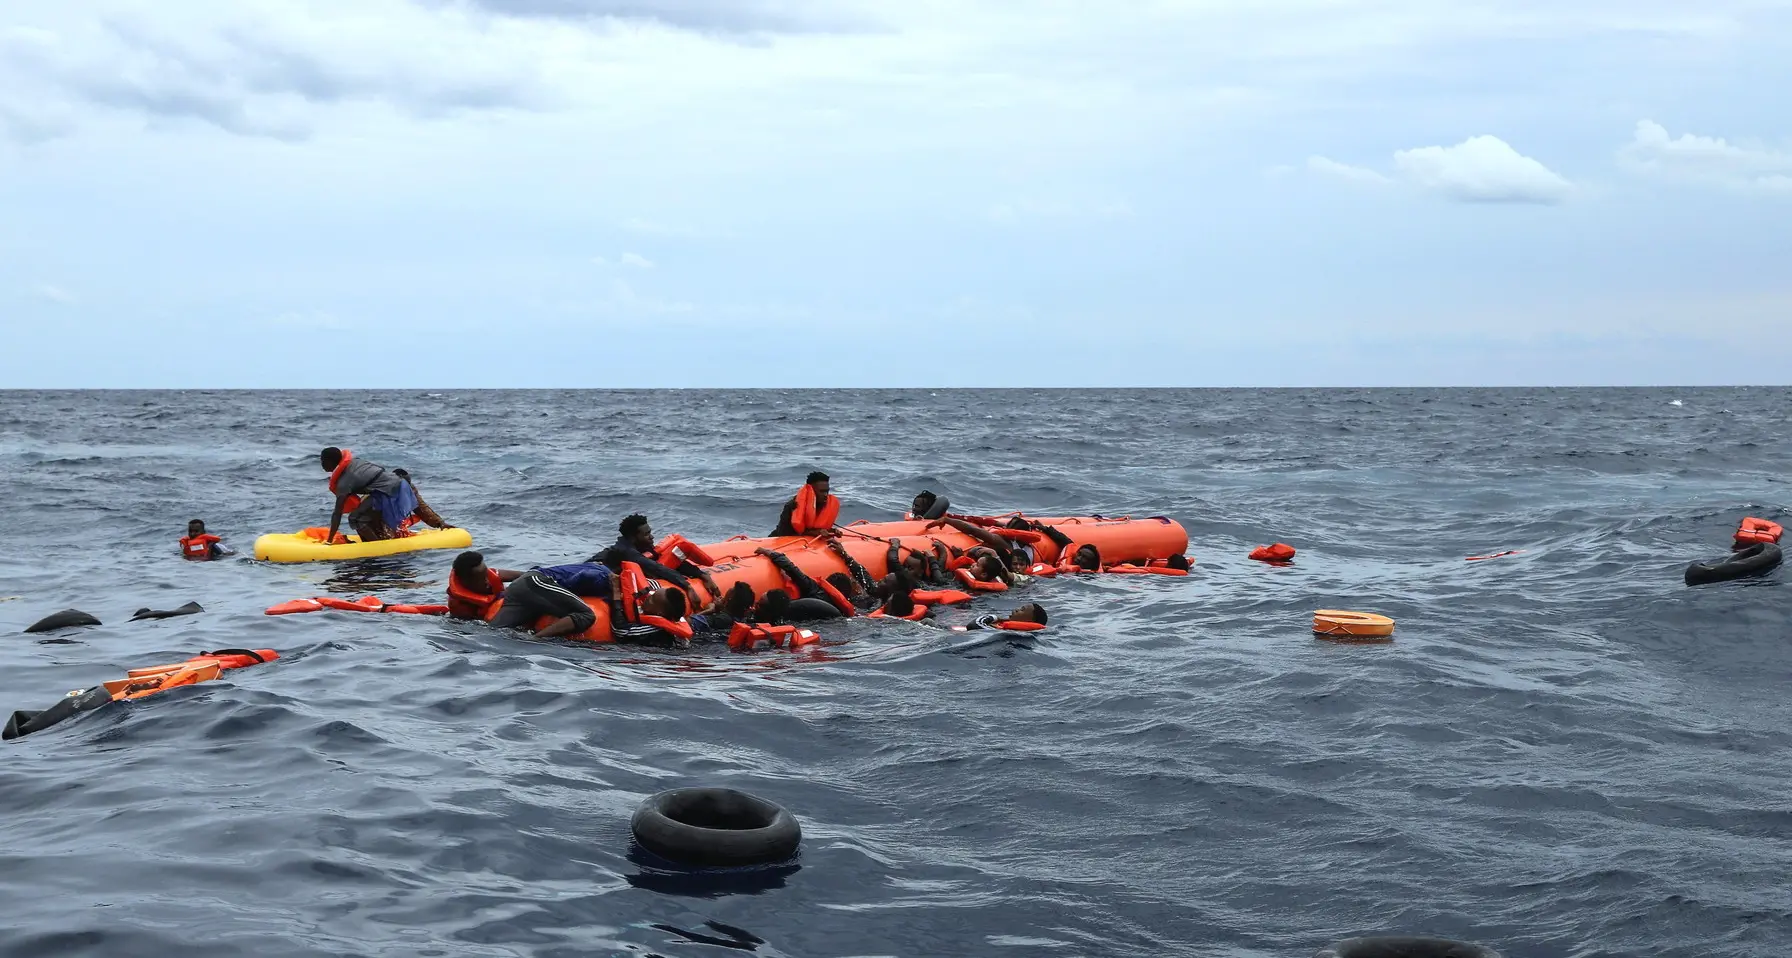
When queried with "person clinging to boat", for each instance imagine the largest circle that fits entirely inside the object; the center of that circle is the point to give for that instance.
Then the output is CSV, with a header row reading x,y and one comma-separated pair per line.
x,y
812,511
635,544
375,500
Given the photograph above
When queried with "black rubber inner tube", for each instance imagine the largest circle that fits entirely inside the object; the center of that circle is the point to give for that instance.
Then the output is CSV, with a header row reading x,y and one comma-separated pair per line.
x,y
1756,559
1402,946
715,826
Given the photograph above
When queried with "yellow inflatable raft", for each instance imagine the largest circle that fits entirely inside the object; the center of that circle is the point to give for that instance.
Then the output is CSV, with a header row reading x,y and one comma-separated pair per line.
x,y
307,545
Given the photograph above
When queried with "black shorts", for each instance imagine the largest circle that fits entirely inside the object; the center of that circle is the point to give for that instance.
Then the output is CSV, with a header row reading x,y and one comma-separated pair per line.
x,y
533,595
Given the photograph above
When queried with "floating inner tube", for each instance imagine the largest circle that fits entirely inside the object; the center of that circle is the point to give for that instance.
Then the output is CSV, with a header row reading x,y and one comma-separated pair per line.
x,y
1391,946
191,608
1759,558
715,826
62,620
1338,625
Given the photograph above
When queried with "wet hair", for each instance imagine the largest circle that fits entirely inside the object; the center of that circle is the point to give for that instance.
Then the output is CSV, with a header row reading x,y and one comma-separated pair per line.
x,y
1179,561
196,522
738,600
899,604
676,605
772,607
330,458
924,500
1093,563
466,562
630,524
1038,612
991,566
843,582
815,477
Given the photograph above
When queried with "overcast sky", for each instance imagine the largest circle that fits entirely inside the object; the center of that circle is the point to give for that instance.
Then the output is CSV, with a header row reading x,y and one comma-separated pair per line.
x,y
895,192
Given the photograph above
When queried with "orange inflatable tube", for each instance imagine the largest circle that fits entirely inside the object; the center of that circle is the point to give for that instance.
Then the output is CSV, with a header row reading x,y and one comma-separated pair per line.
x,y
1123,540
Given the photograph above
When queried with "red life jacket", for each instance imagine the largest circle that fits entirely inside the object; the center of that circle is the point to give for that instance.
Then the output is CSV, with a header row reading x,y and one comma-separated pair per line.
x,y
805,519
464,603
197,547
745,638
939,597
637,586
349,504
978,585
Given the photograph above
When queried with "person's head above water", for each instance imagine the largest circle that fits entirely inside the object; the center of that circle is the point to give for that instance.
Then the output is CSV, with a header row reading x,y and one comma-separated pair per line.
x,y
772,606
988,568
1178,561
330,458
738,600
819,480
469,570
666,603
923,502
1031,612
636,530
844,583
1087,557
195,527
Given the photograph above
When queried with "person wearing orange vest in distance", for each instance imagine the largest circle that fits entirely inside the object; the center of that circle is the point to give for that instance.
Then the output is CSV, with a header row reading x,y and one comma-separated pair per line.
x,y
635,544
812,511
381,500
201,546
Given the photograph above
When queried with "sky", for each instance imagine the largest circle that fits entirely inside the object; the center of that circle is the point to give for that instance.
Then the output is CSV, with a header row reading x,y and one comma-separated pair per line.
x,y
894,193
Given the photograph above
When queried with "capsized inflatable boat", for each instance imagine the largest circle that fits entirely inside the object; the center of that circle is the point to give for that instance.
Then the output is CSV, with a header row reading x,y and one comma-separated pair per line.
x,y
1122,540
307,545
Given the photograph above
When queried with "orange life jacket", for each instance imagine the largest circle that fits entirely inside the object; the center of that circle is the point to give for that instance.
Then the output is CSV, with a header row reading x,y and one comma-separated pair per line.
x,y
464,603
1279,552
1148,567
678,547
1753,530
1019,626
637,586
745,638
978,585
805,519
939,597
349,504
199,546
919,613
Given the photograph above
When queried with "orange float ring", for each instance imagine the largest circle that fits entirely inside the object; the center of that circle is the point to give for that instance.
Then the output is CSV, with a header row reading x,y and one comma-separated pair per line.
x,y
1338,625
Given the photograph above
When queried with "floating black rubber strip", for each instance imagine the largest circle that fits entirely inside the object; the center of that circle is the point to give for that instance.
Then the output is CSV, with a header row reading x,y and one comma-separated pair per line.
x,y
1759,558
73,704
62,620
1393,946
188,609
715,826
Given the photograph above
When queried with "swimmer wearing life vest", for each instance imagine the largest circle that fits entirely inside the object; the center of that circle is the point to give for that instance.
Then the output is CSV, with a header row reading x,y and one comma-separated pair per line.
x,y
635,544
996,560
815,600
925,567
376,499
864,592
201,546
812,511
552,591
1027,618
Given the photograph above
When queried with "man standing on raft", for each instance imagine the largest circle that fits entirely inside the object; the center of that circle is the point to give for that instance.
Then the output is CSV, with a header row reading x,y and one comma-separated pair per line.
x,y
376,499
811,511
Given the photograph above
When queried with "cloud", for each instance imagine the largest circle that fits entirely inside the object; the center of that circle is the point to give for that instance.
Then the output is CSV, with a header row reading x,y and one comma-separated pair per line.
x,y
636,261
1357,174
1480,169
1706,160
257,68
54,294
701,16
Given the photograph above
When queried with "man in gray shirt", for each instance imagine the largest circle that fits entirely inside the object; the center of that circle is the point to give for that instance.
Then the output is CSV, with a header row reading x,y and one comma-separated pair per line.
x,y
376,499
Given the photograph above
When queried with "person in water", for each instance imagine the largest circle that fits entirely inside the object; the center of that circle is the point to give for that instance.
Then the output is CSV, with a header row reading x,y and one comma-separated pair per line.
x,y
558,593
856,583
996,558
1030,614
927,505
635,544
812,511
422,513
814,601
201,546
376,499
927,567
1085,557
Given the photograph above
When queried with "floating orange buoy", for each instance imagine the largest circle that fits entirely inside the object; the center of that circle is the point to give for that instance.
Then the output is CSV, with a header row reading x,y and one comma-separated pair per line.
x,y
1340,626
1279,553
1753,530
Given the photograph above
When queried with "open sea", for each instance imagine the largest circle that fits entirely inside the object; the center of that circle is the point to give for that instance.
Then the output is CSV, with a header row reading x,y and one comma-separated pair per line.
x,y
1564,752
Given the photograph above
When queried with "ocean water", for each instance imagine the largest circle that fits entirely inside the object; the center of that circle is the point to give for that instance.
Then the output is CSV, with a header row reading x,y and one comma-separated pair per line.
x,y
1564,752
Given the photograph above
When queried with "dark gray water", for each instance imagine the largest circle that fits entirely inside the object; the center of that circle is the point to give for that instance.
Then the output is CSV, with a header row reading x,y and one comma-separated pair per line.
x,y
1565,752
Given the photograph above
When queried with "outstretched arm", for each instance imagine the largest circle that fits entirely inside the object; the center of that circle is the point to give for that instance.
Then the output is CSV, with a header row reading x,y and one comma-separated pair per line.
x,y
979,533
804,584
